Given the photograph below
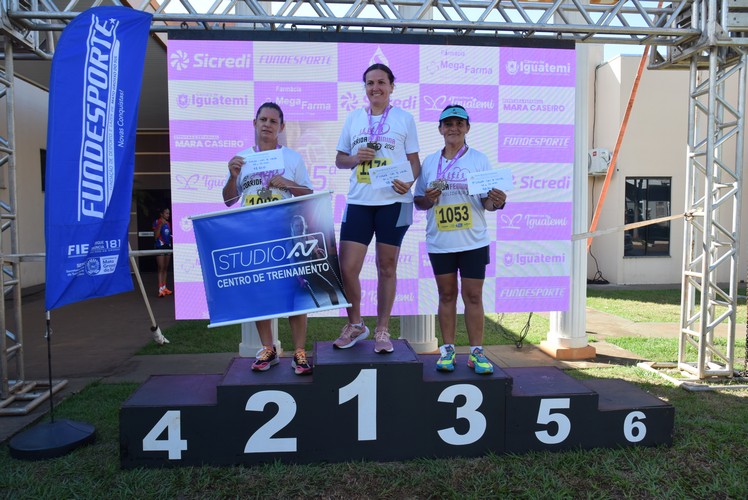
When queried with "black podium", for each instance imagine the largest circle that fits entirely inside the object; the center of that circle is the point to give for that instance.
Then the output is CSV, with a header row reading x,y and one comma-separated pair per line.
x,y
362,405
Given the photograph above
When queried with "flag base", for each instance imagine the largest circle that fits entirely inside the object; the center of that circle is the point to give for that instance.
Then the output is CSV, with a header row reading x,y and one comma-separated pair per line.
x,y
51,439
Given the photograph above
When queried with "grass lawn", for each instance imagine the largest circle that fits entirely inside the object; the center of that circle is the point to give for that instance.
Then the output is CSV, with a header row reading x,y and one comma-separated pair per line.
x,y
707,459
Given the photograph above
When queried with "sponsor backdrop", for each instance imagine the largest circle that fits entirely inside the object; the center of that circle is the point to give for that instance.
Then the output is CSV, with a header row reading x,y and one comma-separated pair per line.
x,y
521,104
289,267
95,84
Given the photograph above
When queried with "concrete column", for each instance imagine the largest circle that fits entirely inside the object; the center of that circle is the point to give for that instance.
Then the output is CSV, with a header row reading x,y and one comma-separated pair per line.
x,y
251,339
420,332
567,338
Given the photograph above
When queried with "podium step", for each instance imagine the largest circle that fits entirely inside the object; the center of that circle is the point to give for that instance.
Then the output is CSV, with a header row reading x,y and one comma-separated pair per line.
x,y
360,405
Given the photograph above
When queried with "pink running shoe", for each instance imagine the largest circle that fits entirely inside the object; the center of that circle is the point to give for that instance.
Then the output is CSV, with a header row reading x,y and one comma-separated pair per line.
x,y
350,335
382,342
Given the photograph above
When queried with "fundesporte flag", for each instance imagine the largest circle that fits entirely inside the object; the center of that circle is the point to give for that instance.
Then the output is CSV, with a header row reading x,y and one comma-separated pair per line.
x,y
97,71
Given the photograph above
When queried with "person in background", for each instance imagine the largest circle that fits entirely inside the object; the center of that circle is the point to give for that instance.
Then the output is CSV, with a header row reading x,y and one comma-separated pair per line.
x,y
162,241
456,235
378,135
266,187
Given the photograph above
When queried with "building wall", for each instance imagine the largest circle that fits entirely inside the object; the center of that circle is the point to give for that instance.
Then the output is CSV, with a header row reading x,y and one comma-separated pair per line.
x,y
31,138
655,144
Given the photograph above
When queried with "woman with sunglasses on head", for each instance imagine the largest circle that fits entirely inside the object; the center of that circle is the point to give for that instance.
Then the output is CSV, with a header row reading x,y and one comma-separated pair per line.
x,y
254,188
375,136
456,235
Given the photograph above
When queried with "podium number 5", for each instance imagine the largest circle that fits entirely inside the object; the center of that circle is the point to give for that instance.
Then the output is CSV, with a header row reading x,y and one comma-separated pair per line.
x,y
546,416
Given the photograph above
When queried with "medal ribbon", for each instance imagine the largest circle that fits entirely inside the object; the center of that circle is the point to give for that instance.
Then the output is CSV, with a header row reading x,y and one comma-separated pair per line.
x,y
372,137
441,173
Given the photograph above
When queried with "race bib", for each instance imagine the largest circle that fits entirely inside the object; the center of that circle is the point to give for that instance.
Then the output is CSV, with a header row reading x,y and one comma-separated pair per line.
x,y
453,217
362,169
250,200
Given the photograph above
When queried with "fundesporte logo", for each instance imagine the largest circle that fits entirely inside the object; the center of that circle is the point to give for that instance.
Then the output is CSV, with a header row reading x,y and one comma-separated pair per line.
x,y
179,60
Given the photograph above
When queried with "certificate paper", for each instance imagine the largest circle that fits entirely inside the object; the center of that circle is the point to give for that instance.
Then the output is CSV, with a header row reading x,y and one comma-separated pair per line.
x,y
382,177
264,161
483,182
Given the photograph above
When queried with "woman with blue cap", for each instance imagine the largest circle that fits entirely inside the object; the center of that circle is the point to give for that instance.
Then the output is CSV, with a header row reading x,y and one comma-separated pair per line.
x,y
456,234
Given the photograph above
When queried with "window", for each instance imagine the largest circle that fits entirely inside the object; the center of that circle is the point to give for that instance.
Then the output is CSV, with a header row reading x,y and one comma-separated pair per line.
x,y
647,198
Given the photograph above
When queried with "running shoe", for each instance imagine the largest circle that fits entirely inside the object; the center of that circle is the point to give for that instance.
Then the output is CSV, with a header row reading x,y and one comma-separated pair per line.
x,y
350,335
266,357
167,291
446,363
382,342
161,292
300,364
479,362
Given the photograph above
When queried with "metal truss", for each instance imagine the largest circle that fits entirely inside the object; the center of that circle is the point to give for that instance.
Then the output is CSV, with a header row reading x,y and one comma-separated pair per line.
x,y
707,37
713,197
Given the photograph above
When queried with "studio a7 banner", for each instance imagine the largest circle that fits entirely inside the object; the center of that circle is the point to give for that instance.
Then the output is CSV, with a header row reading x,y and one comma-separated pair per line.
x,y
269,261
97,72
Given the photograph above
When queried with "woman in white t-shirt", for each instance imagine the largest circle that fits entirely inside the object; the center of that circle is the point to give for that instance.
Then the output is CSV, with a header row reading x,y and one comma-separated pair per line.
x,y
372,137
456,235
254,188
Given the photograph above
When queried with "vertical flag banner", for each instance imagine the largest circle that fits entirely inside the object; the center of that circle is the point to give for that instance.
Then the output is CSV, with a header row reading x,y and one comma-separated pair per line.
x,y
97,72
271,260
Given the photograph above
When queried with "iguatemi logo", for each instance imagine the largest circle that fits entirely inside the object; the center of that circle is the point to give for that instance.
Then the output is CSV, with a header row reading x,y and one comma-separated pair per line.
x,y
210,100
435,103
511,222
530,67
179,60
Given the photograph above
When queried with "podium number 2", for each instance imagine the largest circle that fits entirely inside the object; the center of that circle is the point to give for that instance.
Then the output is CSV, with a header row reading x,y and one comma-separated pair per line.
x,y
262,440
547,416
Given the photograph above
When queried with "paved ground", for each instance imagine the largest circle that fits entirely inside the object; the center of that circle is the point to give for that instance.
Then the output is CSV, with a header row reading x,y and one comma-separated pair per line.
x,y
98,339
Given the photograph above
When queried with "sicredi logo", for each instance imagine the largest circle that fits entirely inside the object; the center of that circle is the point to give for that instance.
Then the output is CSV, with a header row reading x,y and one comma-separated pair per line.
x,y
268,255
181,60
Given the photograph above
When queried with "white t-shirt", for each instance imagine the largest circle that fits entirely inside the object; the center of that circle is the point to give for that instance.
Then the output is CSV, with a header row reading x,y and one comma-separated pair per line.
x,y
446,228
399,138
250,184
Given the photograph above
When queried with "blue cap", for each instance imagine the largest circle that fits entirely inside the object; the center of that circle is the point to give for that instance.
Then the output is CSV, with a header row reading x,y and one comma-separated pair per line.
x,y
454,112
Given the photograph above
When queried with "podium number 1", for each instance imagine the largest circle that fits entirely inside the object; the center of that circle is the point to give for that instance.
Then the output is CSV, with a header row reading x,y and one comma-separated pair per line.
x,y
363,387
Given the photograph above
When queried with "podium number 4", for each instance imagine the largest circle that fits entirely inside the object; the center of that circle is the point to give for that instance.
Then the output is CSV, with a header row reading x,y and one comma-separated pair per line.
x,y
171,422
